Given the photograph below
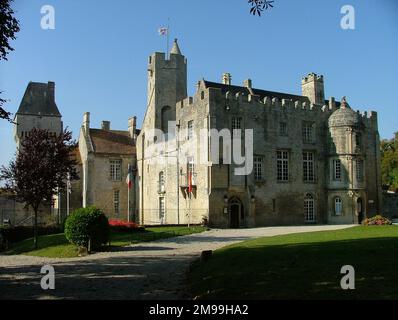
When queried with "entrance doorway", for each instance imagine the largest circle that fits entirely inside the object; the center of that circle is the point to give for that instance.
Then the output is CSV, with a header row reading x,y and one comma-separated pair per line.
x,y
235,210
360,210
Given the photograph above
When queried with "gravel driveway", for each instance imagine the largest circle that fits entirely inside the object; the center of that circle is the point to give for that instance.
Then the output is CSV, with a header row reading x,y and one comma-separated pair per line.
x,y
152,270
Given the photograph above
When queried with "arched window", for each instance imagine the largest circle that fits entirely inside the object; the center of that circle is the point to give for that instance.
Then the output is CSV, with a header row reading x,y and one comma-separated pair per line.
x,y
161,182
167,114
338,206
202,95
309,208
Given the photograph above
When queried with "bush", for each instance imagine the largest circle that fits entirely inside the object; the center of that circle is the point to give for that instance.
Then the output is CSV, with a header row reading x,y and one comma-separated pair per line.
x,y
377,220
87,224
16,234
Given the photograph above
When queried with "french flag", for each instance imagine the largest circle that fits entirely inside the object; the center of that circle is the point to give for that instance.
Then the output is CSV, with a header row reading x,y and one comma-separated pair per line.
x,y
129,178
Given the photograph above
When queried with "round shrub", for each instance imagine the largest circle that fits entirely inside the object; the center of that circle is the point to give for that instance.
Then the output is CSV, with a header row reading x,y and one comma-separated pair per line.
x,y
86,224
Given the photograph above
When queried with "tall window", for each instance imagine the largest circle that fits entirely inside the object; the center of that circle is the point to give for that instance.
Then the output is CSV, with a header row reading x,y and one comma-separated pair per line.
x,y
282,128
258,168
308,131
309,208
116,201
161,182
282,158
338,206
308,166
236,125
359,170
358,140
190,130
116,170
162,208
167,115
336,170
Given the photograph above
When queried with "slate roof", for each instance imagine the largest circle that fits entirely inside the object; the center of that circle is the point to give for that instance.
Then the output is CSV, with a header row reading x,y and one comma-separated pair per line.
x,y
38,100
112,142
262,93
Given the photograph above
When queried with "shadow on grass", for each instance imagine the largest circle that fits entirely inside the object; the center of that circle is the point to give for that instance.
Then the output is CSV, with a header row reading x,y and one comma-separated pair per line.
x,y
299,271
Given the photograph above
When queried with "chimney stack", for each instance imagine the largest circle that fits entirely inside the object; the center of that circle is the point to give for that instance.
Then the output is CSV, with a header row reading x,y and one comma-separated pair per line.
x,y
106,125
86,122
226,78
51,90
247,83
132,127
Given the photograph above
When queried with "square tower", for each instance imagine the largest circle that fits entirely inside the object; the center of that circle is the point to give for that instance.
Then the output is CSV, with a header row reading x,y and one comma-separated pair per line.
x,y
312,86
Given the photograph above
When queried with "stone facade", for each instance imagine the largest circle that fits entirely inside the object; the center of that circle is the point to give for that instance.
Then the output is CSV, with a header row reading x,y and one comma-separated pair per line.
x,y
315,160
105,159
16,214
37,109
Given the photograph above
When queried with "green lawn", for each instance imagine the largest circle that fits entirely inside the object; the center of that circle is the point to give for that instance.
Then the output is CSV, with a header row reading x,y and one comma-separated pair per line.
x,y
56,245
302,266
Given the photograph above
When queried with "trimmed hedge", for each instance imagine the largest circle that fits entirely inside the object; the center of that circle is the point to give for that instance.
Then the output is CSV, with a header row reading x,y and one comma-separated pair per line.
x,y
87,224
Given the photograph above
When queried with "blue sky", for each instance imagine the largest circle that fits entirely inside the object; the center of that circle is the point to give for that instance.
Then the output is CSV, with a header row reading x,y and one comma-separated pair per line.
x,y
97,55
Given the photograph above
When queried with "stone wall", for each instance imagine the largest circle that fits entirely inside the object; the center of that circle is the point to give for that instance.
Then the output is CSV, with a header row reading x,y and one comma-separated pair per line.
x,y
390,205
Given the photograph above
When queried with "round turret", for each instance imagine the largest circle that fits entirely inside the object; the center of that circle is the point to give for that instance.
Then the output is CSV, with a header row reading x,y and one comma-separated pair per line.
x,y
344,116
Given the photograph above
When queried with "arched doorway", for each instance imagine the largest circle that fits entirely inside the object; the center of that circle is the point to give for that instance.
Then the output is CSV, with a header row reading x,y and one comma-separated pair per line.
x,y
360,210
235,211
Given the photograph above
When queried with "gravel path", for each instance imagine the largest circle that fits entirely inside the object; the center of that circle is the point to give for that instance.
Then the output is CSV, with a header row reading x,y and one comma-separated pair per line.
x,y
152,270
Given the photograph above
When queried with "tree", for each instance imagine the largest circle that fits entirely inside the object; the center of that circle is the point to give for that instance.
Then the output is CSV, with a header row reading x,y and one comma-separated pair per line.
x,y
9,26
40,169
258,6
389,162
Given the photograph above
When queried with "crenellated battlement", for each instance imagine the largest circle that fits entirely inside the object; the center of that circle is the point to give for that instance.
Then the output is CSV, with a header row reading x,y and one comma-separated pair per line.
x,y
328,107
185,102
159,59
312,77
275,102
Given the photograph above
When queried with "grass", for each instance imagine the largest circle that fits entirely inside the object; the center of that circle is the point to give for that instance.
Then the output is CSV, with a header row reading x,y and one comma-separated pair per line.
x,y
302,266
57,246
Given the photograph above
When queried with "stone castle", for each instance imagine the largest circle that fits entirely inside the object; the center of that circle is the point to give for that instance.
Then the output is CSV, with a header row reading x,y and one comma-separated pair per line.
x,y
314,160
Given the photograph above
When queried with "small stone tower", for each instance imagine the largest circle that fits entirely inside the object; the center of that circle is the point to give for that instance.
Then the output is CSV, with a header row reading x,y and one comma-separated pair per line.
x,y
347,181
312,86
37,110
167,85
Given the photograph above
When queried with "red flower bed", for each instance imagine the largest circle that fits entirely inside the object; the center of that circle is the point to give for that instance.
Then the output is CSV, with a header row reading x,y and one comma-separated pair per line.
x,y
123,225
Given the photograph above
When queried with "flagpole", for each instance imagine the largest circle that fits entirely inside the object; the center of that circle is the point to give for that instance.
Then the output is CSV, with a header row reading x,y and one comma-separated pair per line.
x,y
68,190
128,195
167,38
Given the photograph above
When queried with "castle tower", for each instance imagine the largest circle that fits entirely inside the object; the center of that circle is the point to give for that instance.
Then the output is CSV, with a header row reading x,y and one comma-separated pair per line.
x,y
312,86
167,85
347,175
37,110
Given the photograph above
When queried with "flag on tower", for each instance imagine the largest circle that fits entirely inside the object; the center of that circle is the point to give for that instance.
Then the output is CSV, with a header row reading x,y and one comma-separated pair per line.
x,y
129,177
163,31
